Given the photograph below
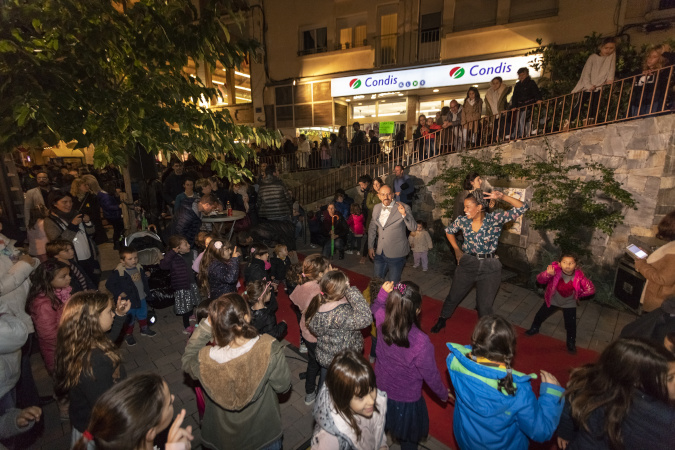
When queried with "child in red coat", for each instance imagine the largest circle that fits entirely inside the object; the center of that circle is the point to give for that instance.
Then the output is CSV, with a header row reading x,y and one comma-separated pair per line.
x,y
357,223
565,284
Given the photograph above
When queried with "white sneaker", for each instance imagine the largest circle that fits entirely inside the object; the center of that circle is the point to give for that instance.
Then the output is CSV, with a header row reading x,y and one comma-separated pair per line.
x,y
416,266
303,348
425,270
349,252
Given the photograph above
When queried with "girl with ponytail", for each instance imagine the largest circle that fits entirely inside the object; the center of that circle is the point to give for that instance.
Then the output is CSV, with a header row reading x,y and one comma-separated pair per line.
x,y
509,414
405,360
336,317
242,375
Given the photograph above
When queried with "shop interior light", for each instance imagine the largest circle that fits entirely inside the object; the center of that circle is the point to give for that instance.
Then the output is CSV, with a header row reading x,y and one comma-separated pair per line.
x,y
382,101
242,74
359,117
435,90
218,82
242,98
400,95
391,114
348,100
293,82
243,88
358,97
475,85
373,96
360,104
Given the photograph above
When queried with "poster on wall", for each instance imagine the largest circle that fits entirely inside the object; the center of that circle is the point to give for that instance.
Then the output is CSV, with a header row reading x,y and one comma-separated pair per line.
x,y
387,127
515,227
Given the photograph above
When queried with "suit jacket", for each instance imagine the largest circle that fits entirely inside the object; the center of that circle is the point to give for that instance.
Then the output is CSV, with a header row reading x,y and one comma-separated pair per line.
x,y
391,238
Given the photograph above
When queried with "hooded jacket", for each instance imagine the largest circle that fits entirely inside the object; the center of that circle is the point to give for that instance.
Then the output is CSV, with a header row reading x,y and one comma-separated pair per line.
x,y
333,432
583,287
120,281
486,418
13,334
15,283
46,321
273,198
242,408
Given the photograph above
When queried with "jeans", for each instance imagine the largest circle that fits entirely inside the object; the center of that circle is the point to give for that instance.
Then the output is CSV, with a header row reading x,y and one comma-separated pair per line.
x,y
569,315
140,314
421,257
339,247
391,267
354,242
322,378
313,368
486,274
276,445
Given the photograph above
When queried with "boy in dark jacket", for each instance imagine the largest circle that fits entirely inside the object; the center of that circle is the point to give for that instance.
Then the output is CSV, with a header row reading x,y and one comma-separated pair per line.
x,y
263,304
129,280
525,93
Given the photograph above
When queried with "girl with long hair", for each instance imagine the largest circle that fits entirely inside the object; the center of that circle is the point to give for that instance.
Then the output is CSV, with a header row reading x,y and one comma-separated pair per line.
x,y
37,238
131,414
87,362
509,413
259,265
242,375
471,113
263,305
405,360
350,411
313,268
49,293
336,317
624,400
219,269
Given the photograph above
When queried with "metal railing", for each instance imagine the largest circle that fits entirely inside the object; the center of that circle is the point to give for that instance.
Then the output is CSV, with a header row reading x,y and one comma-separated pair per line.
x,y
386,49
630,98
429,45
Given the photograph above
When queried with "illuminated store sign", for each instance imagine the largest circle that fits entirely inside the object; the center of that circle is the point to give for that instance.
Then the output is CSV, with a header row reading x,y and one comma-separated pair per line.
x,y
432,77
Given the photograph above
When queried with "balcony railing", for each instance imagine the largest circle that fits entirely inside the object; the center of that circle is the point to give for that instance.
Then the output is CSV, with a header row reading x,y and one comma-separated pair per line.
x,y
386,50
429,45
630,98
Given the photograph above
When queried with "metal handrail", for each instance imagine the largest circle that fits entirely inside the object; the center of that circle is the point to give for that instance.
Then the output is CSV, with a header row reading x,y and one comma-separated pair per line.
x,y
630,98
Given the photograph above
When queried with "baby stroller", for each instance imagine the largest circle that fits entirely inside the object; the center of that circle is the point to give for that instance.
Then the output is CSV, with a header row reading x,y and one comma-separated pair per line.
x,y
150,250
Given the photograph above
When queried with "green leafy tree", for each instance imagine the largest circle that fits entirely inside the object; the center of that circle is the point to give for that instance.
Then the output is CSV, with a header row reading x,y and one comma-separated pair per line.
x,y
112,74
564,202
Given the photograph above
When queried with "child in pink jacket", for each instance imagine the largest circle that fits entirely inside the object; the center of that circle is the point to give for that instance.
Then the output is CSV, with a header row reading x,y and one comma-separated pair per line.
x,y
357,224
565,284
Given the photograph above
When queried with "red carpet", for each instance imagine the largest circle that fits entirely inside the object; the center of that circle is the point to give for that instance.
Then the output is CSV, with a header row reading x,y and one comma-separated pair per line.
x,y
533,354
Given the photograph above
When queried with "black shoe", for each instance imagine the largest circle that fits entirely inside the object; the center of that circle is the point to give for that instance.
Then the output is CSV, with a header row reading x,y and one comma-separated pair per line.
x,y
571,348
532,331
440,324
302,375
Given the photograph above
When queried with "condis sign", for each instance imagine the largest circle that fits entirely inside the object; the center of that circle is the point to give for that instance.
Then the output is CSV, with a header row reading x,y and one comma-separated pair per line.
x,y
432,77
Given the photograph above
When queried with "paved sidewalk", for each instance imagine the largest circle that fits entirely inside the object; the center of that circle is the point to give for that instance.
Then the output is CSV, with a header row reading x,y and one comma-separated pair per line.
x,y
597,327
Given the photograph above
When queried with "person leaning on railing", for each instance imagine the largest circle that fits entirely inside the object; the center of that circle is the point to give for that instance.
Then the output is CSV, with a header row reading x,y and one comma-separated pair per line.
x,y
651,85
525,93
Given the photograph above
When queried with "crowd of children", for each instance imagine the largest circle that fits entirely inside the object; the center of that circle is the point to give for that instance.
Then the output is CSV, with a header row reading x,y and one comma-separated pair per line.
x,y
238,364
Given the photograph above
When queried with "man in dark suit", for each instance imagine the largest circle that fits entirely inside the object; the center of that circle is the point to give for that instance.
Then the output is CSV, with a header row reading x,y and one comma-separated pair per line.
x,y
389,223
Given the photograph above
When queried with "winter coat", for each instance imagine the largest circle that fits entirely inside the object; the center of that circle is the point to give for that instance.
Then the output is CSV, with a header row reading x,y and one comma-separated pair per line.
x,y
8,426
180,271
503,92
333,432
487,418
183,198
110,205
13,335
341,228
242,407
660,275
337,325
57,228
15,284
421,242
357,224
223,277
172,186
273,199
46,321
187,223
279,268
265,320
343,208
525,93
649,423
472,112
301,297
583,287
400,371
256,271
120,281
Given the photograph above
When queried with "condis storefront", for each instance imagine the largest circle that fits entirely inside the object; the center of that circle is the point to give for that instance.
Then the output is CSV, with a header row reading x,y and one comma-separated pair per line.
x,y
386,100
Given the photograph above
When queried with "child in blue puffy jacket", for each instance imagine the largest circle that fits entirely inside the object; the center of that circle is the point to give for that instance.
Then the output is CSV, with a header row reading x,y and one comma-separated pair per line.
x,y
495,407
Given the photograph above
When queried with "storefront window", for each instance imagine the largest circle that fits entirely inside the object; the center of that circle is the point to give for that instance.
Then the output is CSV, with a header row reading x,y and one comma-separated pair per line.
x,y
431,107
363,111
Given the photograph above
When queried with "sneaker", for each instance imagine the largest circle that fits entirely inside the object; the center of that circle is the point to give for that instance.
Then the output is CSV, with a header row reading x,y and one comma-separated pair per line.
x,y
189,330
303,348
130,340
349,252
571,348
358,253
193,318
148,332
313,245
309,398
425,270
416,266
